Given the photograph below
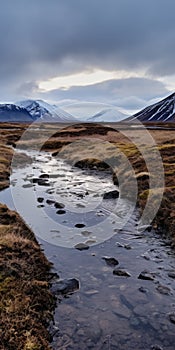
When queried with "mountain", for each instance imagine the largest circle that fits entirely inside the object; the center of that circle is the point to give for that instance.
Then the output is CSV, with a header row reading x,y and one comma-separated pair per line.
x,y
13,113
162,111
43,111
29,111
108,115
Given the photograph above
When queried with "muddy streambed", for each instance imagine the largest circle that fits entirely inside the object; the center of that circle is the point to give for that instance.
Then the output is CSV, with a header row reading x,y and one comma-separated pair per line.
x,y
126,295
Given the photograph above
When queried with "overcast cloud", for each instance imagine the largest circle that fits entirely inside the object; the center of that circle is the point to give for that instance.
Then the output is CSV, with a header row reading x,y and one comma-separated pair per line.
x,y
42,39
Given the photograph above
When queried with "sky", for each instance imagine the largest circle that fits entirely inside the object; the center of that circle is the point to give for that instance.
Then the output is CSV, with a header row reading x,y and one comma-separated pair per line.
x,y
76,53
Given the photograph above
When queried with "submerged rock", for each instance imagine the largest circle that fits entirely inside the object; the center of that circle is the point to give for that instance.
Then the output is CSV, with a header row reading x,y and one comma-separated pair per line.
x,y
59,205
86,233
111,195
80,195
121,273
163,290
143,290
50,191
127,246
145,275
171,274
35,180
43,182
27,185
65,286
54,154
50,201
172,317
80,225
91,163
91,241
61,212
110,261
79,205
44,176
40,199
81,246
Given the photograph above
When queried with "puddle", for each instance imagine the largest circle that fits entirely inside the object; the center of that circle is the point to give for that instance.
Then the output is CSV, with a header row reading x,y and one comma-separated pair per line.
x,y
123,303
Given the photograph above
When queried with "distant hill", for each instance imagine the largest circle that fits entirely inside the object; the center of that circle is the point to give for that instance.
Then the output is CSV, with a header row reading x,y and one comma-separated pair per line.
x,y
33,110
162,111
108,115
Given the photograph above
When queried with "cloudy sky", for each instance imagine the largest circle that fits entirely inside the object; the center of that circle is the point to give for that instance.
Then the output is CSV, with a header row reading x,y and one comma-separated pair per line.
x,y
116,52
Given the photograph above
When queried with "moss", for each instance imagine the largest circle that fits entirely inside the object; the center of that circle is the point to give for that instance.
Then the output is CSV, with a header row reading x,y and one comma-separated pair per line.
x,y
144,195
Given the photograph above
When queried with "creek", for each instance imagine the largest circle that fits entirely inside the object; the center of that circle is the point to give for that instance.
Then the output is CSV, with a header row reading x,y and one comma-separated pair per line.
x,y
125,298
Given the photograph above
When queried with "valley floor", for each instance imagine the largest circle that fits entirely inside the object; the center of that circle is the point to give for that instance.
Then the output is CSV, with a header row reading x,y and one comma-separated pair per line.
x,y
26,303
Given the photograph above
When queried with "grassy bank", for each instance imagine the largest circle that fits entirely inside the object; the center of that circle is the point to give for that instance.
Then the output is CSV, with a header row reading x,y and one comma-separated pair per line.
x,y
26,303
104,137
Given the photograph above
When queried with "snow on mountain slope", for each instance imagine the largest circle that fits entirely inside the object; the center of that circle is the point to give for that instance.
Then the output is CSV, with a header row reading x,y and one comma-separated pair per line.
x,y
12,113
108,115
43,111
162,111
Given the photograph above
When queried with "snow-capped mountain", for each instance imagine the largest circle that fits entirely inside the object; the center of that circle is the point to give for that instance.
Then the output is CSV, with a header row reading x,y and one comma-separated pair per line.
x,y
108,115
12,113
43,111
162,111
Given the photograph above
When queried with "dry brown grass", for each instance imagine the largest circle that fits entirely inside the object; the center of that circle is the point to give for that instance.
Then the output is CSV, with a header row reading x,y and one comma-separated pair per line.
x,y
164,142
26,303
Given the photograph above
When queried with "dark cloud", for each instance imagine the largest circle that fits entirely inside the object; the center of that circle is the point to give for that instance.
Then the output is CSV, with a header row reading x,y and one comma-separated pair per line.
x,y
28,88
40,39
131,92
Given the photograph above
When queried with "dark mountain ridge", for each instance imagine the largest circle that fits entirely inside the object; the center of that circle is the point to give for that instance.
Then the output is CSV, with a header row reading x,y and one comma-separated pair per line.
x,y
162,111
30,110
13,113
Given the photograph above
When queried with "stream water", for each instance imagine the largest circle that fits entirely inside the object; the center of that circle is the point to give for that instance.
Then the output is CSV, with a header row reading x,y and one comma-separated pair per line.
x,y
126,302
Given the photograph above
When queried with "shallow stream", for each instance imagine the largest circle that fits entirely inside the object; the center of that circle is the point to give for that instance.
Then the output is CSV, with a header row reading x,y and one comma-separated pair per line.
x,y
126,302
